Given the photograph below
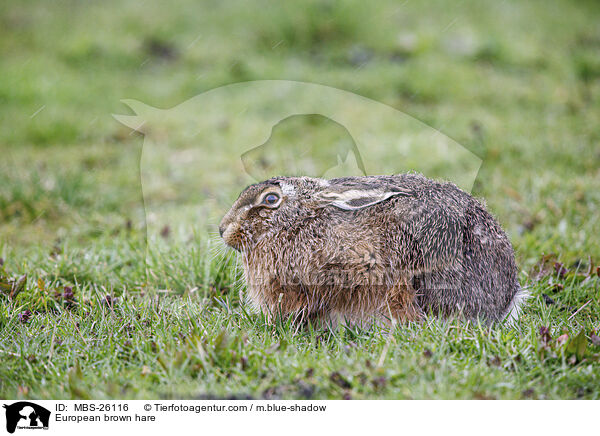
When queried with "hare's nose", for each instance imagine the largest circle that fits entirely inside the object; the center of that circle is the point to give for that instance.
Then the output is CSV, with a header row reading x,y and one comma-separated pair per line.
x,y
221,230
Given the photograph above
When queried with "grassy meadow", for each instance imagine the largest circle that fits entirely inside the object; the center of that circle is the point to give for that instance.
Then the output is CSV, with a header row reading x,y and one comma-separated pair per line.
x,y
86,311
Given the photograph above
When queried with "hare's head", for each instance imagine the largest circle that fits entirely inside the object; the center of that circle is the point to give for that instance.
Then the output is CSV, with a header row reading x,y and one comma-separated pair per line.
x,y
286,202
264,207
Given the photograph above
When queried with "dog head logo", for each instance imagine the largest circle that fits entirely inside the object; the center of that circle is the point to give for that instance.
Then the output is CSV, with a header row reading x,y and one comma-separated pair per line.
x,y
26,415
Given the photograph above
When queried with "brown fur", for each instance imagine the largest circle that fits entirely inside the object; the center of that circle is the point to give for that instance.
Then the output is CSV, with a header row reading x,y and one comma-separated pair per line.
x,y
363,249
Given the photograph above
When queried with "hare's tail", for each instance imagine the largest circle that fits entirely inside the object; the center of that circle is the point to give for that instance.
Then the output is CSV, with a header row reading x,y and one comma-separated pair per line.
x,y
515,306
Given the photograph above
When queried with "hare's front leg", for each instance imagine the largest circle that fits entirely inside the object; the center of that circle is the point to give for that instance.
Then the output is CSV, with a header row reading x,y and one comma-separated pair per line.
x,y
281,303
401,304
278,297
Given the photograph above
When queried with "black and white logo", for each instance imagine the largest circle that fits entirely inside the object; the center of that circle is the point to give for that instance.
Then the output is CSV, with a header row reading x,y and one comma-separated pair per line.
x,y
26,415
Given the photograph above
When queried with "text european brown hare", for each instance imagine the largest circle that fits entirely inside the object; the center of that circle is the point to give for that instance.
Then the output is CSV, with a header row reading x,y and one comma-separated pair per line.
x,y
377,248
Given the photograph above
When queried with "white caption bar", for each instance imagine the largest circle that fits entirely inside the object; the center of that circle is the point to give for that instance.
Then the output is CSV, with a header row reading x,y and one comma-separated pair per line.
x,y
297,417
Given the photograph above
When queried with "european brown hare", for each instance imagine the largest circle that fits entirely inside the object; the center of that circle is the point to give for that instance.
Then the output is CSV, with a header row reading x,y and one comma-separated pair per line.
x,y
364,249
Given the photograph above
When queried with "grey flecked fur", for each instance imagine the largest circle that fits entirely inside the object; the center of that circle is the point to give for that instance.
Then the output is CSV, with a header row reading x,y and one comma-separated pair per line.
x,y
381,248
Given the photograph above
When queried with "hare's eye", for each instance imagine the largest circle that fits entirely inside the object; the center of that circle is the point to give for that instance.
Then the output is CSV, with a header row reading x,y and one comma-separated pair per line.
x,y
271,199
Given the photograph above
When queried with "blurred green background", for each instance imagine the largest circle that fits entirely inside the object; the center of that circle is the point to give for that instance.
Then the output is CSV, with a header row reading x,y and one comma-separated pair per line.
x,y
515,82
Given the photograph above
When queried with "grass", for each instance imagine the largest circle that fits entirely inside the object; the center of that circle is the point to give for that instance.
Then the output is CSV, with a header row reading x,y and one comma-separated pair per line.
x,y
518,83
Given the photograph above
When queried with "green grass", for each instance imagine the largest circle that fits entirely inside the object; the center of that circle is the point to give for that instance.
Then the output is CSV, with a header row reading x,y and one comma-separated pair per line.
x,y
518,83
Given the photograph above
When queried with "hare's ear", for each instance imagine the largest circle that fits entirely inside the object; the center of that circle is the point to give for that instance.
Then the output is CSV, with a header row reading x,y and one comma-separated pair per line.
x,y
355,199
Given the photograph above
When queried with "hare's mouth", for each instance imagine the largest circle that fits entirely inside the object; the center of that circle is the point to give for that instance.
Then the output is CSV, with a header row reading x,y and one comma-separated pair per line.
x,y
230,235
